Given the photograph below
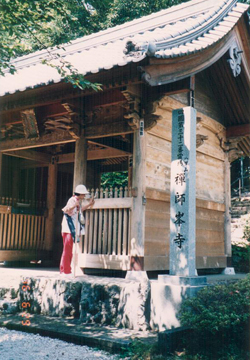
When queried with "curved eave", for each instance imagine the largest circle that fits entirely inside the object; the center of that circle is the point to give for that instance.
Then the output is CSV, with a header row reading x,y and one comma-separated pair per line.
x,y
190,36
178,32
164,71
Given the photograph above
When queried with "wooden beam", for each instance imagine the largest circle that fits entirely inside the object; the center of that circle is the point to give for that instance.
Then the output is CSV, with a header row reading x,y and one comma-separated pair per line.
x,y
239,130
94,155
107,153
30,155
45,140
117,128
91,132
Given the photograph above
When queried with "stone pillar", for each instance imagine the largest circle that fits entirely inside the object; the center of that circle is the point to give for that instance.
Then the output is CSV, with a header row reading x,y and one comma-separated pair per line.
x,y
139,202
182,201
51,205
80,167
227,217
227,222
168,293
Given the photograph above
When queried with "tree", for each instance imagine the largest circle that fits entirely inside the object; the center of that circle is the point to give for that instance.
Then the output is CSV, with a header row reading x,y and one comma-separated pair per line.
x,y
30,25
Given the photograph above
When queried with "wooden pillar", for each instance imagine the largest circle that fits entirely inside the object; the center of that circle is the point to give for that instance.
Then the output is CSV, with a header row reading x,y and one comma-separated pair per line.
x,y
130,171
15,185
80,168
80,177
1,161
227,219
51,205
139,202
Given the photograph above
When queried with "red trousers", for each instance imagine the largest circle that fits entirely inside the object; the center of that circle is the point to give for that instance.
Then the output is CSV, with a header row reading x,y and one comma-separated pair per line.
x,y
67,254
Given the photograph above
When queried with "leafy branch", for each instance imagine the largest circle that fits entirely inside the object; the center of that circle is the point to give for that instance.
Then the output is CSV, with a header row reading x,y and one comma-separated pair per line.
x,y
70,74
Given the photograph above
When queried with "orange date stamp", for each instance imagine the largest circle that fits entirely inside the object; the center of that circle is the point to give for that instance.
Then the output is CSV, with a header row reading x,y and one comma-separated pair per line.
x,y
25,305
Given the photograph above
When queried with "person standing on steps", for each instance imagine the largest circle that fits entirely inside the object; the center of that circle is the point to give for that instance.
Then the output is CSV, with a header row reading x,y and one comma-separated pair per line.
x,y
71,211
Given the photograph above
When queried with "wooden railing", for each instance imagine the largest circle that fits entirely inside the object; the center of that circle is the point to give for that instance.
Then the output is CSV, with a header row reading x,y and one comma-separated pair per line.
x,y
15,202
107,223
21,229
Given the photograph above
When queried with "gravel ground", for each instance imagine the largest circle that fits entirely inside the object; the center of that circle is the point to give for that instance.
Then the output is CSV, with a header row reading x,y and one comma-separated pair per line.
x,y
16,345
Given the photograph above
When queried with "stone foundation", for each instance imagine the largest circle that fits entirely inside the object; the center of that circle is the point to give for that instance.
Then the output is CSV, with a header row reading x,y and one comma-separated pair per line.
x,y
94,300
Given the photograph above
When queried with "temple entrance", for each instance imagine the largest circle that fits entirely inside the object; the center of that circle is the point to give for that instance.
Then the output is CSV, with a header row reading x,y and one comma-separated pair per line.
x,y
36,185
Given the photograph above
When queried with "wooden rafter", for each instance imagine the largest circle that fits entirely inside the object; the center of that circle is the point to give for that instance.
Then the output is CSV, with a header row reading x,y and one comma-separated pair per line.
x,y
96,152
30,155
238,130
45,140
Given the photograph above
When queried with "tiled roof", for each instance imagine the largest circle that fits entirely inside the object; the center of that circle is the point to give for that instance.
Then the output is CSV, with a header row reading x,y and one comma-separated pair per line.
x,y
177,31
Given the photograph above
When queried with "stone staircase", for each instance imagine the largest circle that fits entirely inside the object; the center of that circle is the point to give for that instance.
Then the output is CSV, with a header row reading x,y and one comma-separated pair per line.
x,y
240,214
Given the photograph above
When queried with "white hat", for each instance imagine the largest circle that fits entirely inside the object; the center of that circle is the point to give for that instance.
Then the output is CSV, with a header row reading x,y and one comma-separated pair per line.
x,y
81,189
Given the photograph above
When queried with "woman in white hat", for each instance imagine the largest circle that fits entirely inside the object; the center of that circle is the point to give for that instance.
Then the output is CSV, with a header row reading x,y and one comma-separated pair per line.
x,y
70,213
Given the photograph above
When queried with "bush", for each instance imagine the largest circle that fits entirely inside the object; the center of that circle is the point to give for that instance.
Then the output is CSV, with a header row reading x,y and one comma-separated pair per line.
x,y
219,319
246,233
241,251
241,257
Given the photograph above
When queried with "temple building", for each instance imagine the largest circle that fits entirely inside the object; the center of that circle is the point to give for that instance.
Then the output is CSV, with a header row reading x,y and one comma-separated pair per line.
x,y
54,136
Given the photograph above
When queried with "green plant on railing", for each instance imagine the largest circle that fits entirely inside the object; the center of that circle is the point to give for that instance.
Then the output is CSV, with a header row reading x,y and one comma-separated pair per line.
x,y
114,179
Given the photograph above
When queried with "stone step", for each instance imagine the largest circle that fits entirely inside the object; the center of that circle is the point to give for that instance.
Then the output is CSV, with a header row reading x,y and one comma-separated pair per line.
x,y
241,209
235,216
242,201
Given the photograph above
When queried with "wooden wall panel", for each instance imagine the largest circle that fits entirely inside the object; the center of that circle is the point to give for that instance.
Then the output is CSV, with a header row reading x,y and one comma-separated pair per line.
x,y
209,178
209,230
158,160
210,155
157,228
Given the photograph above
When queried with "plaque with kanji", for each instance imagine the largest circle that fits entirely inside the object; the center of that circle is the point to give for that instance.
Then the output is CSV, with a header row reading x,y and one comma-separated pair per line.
x,y
29,124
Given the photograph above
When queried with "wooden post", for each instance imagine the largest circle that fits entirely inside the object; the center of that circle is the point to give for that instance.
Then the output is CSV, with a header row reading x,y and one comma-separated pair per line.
x,y
139,201
1,161
51,205
130,172
16,181
80,169
80,177
227,219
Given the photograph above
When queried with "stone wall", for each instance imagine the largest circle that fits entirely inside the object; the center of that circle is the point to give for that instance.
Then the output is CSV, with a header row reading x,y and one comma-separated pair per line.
x,y
93,300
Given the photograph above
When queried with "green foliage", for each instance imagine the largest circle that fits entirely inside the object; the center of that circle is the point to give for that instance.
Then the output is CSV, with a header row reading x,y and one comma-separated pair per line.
x,y
219,317
241,251
27,26
126,10
114,179
139,350
246,232
70,74
241,257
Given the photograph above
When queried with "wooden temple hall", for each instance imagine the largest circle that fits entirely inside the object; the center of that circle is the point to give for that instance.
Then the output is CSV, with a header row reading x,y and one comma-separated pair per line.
x,y
54,136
